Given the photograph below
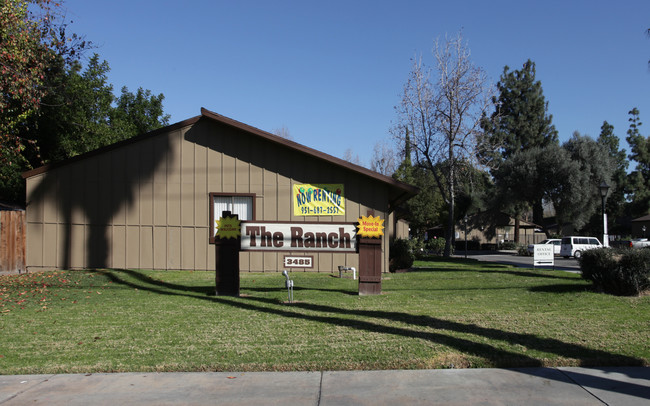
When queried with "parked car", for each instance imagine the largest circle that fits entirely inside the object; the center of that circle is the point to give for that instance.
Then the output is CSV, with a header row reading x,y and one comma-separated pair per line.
x,y
556,245
640,243
574,246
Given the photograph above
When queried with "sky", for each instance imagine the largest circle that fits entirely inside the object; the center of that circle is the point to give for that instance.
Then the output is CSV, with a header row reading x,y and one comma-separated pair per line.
x,y
331,72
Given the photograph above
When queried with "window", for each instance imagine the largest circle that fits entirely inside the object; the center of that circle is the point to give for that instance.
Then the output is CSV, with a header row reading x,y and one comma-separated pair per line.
x,y
243,205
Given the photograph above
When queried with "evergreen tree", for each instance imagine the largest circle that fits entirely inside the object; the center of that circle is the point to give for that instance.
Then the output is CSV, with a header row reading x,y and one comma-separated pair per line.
x,y
616,203
520,120
519,123
595,164
82,114
639,179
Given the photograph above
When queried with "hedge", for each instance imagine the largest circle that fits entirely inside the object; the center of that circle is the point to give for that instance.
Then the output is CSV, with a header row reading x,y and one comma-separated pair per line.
x,y
618,271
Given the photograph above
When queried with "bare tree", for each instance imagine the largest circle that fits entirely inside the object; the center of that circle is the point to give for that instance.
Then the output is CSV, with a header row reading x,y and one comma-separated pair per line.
x,y
443,116
283,132
351,157
384,158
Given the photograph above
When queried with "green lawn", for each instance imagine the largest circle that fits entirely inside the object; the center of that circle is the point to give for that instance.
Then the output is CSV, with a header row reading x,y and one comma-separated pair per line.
x,y
445,314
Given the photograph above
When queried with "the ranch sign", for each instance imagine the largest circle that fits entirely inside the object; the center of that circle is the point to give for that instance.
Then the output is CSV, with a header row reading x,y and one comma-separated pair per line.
x,y
271,236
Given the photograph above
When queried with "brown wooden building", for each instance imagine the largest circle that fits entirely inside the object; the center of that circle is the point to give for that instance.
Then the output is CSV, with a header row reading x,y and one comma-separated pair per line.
x,y
151,202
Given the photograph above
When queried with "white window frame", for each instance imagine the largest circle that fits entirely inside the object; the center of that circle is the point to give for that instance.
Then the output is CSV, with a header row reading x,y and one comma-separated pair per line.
x,y
242,204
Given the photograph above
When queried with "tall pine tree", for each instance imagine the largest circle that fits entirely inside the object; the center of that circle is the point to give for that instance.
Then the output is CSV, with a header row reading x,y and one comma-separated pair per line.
x,y
639,179
520,120
616,198
519,123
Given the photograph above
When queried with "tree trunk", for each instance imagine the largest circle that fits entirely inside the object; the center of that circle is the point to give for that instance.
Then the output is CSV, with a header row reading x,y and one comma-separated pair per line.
x,y
517,225
452,197
538,215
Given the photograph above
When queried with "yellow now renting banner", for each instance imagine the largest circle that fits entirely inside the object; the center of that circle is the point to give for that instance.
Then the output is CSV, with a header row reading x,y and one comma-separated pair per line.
x,y
318,199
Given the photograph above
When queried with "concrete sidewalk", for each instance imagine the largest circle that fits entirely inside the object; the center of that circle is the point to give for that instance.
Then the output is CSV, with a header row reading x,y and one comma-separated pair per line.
x,y
524,386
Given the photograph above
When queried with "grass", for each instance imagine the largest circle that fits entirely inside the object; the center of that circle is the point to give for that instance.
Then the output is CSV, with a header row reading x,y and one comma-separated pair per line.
x,y
445,314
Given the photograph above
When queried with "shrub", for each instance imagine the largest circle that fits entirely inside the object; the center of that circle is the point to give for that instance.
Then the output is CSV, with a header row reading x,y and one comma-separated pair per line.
x,y
435,246
401,256
416,246
523,251
508,245
617,271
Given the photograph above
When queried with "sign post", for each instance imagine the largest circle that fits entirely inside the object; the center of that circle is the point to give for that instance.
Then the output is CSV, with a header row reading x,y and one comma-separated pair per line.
x,y
543,255
227,247
371,229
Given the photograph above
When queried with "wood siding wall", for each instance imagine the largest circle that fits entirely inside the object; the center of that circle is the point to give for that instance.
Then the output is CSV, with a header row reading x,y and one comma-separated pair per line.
x,y
146,204
12,241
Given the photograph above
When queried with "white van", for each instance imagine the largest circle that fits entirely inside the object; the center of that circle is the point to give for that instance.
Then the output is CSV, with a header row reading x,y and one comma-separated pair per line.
x,y
573,246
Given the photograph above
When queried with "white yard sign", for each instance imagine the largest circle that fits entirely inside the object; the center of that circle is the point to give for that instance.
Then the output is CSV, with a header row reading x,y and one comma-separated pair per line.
x,y
543,255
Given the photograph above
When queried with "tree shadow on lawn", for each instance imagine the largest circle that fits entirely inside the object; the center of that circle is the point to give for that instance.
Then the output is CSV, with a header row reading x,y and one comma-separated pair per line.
x,y
501,269
303,288
371,322
562,288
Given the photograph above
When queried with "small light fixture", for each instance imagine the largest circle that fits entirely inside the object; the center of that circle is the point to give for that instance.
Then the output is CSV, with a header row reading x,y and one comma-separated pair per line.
x,y
604,189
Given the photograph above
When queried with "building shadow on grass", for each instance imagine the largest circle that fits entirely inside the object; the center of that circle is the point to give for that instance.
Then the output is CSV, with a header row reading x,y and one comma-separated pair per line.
x,y
466,338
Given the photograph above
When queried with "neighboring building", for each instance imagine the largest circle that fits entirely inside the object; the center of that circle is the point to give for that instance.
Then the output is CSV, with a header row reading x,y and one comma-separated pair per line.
x,y
641,227
151,202
489,230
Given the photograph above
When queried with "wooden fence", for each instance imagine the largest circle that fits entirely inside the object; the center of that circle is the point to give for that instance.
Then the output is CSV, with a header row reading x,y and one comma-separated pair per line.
x,y
12,241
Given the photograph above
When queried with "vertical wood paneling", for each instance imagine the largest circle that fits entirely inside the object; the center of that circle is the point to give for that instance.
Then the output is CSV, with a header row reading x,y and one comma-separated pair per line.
x,y
201,209
174,204
174,181
285,210
132,247
118,188
119,246
215,163
62,236
35,205
173,248
160,247
78,246
187,204
269,209
326,262
242,176
50,245
146,203
270,262
187,248
244,260
228,173
146,247
50,210
91,203
200,248
12,241
187,183
35,244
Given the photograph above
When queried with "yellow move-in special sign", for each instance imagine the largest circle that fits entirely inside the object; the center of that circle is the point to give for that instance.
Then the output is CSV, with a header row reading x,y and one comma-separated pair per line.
x,y
318,199
371,227
228,227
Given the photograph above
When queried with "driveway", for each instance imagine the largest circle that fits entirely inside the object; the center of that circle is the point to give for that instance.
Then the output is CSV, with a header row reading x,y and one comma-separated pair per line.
x,y
511,258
